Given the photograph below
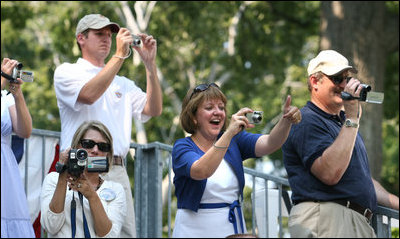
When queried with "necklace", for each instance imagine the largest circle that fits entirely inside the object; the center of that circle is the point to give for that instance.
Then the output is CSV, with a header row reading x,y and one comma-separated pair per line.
x,y
201,146
99,185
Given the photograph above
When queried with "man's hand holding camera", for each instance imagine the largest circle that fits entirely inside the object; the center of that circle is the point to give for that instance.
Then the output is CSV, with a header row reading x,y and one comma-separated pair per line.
x,y
352,107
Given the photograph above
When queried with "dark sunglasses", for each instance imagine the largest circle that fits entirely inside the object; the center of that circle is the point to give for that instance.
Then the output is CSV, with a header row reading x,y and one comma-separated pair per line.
x,y
202,87
338,79
89,144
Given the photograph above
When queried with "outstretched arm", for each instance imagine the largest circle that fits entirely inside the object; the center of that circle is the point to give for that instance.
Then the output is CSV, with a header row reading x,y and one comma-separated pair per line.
x,y
269,143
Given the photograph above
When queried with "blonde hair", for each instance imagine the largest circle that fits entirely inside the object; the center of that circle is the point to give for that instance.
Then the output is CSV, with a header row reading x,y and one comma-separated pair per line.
x,y
102,129
191,103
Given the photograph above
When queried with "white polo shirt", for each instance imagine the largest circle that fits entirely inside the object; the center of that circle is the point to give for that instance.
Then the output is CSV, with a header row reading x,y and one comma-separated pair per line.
x,y
115,108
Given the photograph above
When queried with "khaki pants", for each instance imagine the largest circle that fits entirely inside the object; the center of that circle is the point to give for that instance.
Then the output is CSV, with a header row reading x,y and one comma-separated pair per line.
x,y
327,219
118,174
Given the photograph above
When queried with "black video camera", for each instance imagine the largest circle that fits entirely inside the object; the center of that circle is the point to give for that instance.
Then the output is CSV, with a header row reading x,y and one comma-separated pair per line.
x,y
365,95
364,91
78,160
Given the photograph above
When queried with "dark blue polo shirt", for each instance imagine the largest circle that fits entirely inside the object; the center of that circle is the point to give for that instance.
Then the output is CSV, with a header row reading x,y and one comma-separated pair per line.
x,y
306,142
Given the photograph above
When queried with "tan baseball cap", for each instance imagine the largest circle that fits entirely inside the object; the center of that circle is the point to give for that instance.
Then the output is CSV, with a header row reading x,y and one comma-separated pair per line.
x,y
95,21
330,63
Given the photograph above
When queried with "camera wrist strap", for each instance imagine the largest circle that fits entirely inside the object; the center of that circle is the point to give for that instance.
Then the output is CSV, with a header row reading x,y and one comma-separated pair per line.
x,y
7,76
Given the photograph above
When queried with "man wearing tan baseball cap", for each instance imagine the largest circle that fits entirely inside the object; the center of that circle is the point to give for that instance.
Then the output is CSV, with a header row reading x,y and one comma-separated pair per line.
x,y
330,63
91,89
95,21
326,160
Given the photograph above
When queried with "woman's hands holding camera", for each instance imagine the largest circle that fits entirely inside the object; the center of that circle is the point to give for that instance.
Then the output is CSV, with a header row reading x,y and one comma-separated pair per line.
x,y
239,121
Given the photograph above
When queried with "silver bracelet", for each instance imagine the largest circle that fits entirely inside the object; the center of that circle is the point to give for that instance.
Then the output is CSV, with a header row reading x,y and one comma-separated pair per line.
x,y
220,147
123,58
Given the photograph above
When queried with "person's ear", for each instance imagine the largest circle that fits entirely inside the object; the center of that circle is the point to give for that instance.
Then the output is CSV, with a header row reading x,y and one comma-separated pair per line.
x,y
313,82
80,38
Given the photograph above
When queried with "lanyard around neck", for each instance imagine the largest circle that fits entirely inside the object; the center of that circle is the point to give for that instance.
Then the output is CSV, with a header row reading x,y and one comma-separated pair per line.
x,y
73,216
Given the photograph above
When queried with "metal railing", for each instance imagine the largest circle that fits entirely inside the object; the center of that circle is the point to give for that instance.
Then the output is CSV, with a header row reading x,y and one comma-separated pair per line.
x,y
153,162
151,158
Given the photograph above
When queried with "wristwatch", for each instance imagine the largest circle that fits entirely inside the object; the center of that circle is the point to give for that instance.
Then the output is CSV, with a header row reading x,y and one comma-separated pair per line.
x,y
349,123
60,167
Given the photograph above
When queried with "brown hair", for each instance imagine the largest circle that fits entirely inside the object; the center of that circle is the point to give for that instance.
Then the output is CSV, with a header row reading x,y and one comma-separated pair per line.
x,y
85,33
317,75
191,103
98,126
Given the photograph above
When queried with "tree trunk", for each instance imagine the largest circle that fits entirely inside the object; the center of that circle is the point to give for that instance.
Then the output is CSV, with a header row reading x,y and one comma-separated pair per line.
x,y
357,31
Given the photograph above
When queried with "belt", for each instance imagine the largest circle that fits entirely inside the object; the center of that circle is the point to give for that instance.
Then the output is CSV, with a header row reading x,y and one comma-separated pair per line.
x,y
118,160
366,212
231,215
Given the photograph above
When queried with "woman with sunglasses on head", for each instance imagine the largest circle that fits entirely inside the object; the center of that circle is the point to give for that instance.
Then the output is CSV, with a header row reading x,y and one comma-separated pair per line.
x,y
209,177
104,203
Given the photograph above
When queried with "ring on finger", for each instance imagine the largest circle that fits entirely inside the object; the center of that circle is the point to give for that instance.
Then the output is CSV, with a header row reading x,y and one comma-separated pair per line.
x,y
79,185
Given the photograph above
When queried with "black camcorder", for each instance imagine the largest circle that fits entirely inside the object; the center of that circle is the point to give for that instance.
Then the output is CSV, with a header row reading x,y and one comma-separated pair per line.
x,y
78,160
365,95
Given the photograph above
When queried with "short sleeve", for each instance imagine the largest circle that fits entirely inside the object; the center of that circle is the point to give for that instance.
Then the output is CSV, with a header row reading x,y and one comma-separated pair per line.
x,y
68,82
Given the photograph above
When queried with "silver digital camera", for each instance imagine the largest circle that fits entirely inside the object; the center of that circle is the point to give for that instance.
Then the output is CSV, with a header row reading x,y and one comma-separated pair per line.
x,y
26,76
255,117
136,40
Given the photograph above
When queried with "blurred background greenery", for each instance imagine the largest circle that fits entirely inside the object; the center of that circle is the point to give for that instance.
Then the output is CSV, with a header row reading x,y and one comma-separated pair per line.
x,y
256,51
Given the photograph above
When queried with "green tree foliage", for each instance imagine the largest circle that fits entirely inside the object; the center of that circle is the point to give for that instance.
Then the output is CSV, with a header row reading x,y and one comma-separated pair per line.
x,y
273,42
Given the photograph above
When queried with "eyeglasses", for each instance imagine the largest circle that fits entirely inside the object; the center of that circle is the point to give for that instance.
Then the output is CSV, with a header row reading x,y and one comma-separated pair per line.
x,y
89,144
202,87
338,79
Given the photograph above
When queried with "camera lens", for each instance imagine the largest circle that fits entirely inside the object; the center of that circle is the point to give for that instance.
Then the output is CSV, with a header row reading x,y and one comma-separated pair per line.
x,y
136,42
257,117
19,66
81,154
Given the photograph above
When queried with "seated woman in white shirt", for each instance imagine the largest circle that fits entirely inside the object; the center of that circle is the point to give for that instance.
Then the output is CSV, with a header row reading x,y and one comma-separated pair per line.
x,y
104,203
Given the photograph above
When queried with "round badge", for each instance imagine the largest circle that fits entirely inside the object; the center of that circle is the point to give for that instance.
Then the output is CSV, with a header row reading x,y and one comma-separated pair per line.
x,y
107,194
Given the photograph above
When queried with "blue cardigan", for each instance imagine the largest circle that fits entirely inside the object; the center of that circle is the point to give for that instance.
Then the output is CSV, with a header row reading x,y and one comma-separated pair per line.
x,y
185,152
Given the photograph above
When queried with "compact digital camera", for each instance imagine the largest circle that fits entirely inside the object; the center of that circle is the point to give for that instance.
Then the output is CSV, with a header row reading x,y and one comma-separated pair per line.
x,y
78,160
136,40
26,76
255,117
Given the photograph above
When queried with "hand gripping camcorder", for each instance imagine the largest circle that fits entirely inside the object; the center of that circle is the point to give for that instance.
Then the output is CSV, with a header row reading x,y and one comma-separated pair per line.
x,y
365,95
26,76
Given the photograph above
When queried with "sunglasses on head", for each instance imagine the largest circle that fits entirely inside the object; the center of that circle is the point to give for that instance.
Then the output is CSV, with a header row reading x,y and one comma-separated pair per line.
x,y
89,144
202,87
338,79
